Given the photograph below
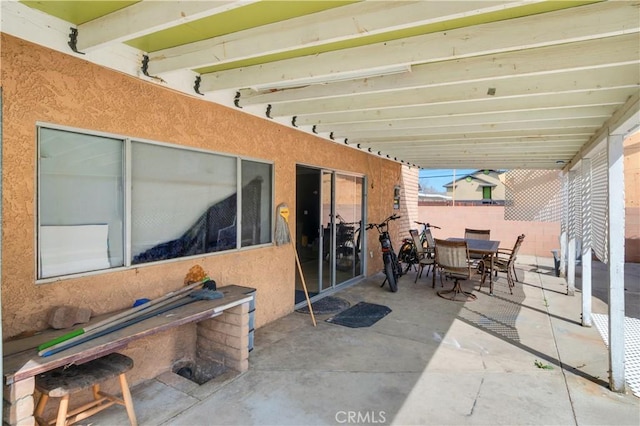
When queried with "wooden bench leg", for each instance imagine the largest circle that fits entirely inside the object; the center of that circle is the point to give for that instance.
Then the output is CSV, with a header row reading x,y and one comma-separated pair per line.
x,y
61,420
37,414
128,401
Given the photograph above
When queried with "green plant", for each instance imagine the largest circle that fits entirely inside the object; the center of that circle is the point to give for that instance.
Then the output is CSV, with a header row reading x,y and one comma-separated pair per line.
x,y
542,365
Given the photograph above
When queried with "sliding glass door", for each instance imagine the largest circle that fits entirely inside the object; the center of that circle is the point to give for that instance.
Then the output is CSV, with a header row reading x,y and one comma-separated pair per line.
x,y
330,213
348,226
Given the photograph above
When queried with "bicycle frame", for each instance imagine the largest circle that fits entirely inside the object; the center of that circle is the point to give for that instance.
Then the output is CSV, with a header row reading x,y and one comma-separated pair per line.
x,y
392,268
408,253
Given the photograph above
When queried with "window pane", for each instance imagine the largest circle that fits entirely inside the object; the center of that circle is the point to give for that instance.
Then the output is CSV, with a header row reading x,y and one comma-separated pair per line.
x,y
256,203
183,203
348,205
80,201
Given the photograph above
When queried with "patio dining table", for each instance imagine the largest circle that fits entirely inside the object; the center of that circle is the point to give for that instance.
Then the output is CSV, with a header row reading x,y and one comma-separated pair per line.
x,y
488,248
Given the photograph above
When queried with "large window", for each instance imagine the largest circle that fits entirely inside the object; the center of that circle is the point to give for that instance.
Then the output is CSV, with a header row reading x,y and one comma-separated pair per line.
x,y
177,202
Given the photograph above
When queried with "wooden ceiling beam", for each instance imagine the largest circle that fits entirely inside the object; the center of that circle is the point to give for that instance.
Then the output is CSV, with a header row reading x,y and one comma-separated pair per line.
x,y
144,18
594,21
608,52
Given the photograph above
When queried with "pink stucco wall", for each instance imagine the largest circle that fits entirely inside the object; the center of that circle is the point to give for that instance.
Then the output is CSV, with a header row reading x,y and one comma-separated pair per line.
x,y
540,237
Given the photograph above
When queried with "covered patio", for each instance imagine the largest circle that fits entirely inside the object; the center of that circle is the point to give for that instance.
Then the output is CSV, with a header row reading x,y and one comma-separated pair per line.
x,y
376,89
520,358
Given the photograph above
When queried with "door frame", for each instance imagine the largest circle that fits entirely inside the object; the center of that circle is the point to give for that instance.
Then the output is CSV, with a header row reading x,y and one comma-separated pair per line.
x,y
327,287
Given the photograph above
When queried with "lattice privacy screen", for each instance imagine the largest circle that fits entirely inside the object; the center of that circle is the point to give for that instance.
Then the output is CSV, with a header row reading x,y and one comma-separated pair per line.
x,y
575,203
534,195
599,202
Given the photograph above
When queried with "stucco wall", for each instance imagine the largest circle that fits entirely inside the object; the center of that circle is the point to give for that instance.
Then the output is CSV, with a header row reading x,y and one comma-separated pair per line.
x,y
540,237
41,85
632,197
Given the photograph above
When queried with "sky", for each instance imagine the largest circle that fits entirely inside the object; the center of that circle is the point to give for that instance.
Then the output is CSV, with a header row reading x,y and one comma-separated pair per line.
x,y
439,177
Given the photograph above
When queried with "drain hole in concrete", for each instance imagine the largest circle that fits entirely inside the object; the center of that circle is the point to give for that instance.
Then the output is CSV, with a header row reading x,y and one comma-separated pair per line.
x,y
201,372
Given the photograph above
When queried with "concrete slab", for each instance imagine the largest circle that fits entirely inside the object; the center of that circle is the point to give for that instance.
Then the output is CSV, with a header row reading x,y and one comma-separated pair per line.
x,y
506,359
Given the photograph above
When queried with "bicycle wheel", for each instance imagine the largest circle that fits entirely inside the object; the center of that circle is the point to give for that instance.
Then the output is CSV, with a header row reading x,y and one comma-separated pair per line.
x,y
391,277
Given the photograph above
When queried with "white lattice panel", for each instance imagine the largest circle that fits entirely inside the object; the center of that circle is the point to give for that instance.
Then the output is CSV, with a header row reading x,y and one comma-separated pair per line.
x,y
599,203
586,203
631,348
575,204
533,195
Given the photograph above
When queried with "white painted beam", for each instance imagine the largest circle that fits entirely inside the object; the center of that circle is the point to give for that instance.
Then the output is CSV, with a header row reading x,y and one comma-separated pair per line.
x,y
600,79
623,120
522,116
535,127
419,134
144,18
613,97
570,142
546,29
608,52
348,22
616,242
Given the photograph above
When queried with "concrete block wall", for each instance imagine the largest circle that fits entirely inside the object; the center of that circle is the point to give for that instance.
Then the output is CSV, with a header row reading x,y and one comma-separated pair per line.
x,y
18,403
225,338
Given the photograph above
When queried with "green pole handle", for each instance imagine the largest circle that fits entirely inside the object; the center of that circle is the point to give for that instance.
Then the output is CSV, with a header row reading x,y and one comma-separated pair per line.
x,y
61,339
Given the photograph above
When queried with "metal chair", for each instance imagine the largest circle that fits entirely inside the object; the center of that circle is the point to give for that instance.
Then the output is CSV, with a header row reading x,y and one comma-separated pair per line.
x,y
426,257
476,234
504,262
452,258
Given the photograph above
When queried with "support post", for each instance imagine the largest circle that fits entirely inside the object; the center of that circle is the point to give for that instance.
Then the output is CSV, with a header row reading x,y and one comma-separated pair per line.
x,y
586,242
571,234
616,241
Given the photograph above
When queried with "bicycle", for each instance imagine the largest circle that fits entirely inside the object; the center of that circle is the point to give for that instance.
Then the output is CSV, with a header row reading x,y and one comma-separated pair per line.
x,y
392,267
408,253
348,249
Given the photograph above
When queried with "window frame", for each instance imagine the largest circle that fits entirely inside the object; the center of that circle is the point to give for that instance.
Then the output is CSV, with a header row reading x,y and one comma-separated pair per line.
x,y
489,190
127,142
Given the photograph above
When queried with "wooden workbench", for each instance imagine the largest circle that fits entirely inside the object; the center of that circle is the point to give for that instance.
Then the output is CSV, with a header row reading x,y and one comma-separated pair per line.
x,y
228,316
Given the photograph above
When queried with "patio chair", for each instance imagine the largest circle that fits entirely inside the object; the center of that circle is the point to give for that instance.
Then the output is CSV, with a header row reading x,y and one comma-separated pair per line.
x,y
426,256
504,262
476,234
452,258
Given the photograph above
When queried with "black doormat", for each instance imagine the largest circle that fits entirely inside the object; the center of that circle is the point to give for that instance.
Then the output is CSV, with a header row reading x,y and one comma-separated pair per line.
x,y
361,315
300,296
326,305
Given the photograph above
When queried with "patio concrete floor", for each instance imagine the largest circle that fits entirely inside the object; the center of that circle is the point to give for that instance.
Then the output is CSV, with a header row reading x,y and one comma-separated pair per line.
x,y
507,359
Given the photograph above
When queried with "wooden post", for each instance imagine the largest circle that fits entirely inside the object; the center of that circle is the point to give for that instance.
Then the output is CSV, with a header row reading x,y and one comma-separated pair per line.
x,y
571,234
616,261
586,242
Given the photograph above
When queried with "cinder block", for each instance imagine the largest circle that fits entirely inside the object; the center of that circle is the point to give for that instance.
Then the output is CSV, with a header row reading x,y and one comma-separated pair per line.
x,y
210,354
240,309
231,329
27,421
233,353
212,335
237,342
12,413
238,365
236,319
20,389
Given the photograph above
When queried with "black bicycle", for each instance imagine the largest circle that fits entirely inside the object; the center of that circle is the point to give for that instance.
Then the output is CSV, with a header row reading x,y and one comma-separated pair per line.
x,y
408,253
392,268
